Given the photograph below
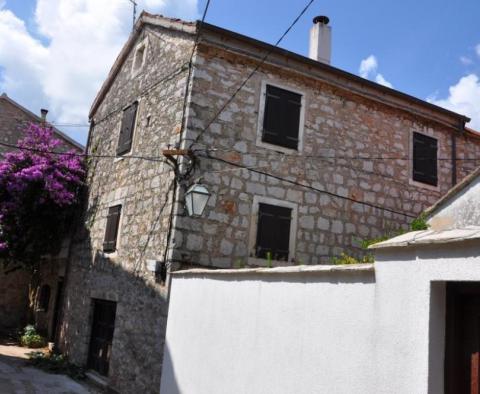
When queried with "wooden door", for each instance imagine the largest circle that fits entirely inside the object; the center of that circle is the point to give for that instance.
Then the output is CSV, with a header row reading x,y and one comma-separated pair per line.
x,y
462,361
103,326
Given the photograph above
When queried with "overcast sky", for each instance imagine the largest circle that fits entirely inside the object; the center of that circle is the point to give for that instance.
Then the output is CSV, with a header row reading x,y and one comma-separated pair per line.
x,y
56,53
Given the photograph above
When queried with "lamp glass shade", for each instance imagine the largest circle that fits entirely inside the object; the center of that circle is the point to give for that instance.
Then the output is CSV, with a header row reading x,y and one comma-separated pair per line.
x,y
196,199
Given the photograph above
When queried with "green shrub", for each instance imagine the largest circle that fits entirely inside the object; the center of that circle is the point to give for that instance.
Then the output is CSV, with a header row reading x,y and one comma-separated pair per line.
x,y
346,259
417,224
56,363
30,338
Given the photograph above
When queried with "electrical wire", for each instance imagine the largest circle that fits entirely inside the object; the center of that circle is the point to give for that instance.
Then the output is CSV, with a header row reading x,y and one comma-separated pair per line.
x,y
310,187
325,157
252,73
85,155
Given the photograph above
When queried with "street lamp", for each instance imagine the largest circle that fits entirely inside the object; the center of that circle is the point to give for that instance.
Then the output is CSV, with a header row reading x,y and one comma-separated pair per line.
x,y
196,199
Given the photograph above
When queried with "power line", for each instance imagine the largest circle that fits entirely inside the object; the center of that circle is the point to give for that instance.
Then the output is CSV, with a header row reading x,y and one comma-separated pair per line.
x,y
325,157
208,156
85,155
163,79
199,30
195,140
134,3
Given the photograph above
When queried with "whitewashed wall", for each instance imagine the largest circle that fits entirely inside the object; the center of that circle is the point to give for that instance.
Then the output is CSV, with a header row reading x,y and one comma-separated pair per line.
x,y
277,332
410,312
328,330
463,209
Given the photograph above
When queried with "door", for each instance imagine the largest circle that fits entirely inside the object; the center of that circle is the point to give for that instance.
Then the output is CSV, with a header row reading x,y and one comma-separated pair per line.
x,y
462,361
56,311
103,325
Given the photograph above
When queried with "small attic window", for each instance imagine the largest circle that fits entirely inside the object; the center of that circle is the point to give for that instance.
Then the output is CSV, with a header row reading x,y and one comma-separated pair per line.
x,y
139,58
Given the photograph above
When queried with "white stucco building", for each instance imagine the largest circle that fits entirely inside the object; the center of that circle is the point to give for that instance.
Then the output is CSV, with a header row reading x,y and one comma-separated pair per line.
x,y
410,323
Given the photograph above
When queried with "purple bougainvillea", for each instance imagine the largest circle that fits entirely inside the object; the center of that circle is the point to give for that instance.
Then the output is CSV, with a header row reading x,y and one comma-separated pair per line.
x,y
39,190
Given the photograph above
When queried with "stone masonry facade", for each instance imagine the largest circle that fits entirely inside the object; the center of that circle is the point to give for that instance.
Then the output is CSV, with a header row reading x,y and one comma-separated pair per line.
x,y
144,189
338,123
346,136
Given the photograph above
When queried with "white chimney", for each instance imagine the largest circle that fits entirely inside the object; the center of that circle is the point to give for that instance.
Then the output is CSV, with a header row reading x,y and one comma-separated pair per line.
x,y
43,114
320,40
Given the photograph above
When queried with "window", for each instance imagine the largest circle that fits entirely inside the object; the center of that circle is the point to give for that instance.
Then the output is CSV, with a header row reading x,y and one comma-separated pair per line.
x,y
139,58
126,130
281,117
273,232
111,231
43,298
425,159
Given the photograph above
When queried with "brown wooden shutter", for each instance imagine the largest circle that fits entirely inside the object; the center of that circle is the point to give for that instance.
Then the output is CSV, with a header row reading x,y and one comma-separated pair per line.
x,y
425,159
281,121
126,130
111,231
273,232
272,126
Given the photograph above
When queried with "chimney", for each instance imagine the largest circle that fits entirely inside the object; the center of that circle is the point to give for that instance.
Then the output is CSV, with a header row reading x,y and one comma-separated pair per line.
x,y
320,40
44,113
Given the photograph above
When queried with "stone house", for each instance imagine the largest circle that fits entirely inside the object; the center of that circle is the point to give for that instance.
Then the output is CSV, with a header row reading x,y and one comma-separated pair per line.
x,y
301,164
14,283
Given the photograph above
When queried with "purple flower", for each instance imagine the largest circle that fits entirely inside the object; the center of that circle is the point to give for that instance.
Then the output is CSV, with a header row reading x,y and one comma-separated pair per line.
x,y
38,190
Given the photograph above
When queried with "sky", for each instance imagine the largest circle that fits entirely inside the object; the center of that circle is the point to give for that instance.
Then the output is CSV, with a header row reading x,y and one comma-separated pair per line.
x,y
55,54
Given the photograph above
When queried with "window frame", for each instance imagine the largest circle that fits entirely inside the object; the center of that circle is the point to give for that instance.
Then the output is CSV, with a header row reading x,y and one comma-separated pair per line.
x,y
261,115
257,200
412,181
119,226
44,297
142,44
120,156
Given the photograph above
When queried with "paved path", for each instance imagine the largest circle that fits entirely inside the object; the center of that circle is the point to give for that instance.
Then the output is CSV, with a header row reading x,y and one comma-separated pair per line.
x,y
17,378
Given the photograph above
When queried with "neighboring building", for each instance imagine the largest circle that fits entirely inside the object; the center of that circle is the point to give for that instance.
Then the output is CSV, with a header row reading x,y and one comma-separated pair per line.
x,y
371,158
407,324
15,282
14,118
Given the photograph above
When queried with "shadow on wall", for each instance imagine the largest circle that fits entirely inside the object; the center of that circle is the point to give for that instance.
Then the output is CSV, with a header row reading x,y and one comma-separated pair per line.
x,y
169,381
13,299
134,356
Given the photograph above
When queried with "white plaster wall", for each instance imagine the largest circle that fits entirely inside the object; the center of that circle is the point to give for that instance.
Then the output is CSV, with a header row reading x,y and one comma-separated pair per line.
x,y
462,210
333,332
410,312
281,333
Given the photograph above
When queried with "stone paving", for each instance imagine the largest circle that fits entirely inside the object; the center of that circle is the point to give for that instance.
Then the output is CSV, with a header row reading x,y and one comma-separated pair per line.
x,y
17,378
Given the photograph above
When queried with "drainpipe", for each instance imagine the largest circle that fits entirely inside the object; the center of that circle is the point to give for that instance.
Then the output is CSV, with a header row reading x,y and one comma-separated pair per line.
x,y
461,129
454,159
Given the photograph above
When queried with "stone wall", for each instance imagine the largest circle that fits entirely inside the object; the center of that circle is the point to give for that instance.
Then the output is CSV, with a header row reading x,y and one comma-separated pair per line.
x,y
468,150
338,123
13,299
13,121
144,189
12,124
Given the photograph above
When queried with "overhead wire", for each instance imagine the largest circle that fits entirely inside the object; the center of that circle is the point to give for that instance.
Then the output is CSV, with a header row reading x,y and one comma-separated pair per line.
x,y
310,187
252,73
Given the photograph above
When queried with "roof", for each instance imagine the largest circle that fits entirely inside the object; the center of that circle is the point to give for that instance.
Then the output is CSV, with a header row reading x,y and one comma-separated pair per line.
x,y
428,237
59,133
144,19
459,187
362,84
472,133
